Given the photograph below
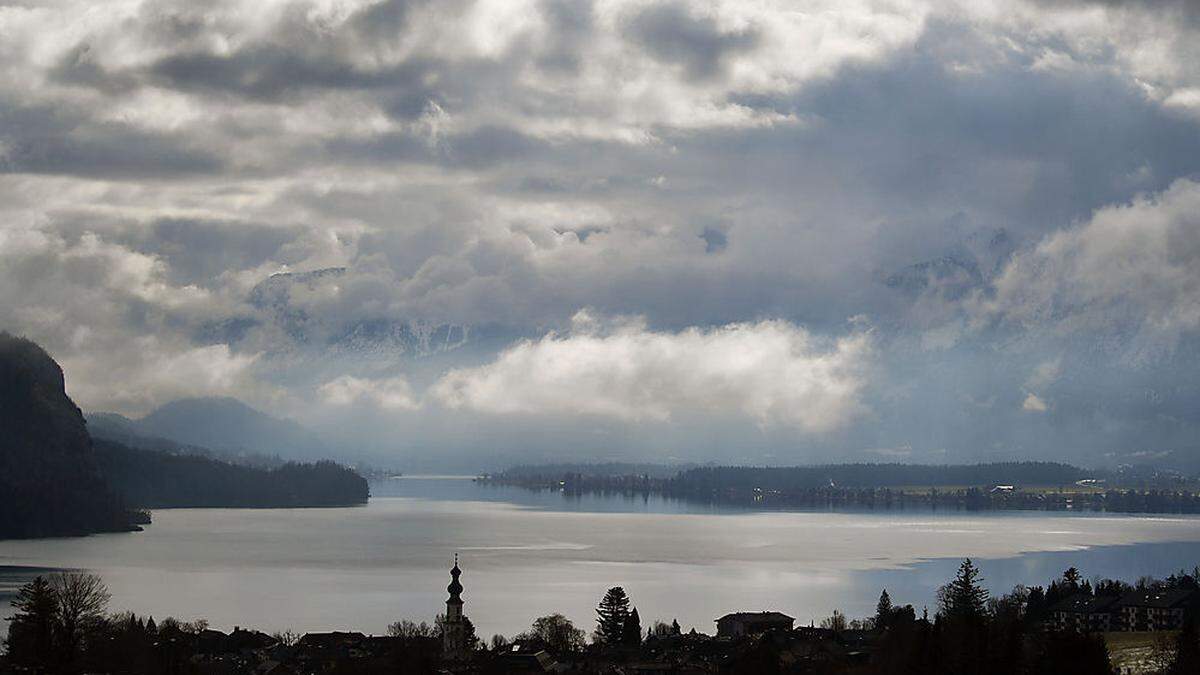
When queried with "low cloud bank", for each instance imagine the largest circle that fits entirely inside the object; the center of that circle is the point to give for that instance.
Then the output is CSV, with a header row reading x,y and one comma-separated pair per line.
x,y
773,372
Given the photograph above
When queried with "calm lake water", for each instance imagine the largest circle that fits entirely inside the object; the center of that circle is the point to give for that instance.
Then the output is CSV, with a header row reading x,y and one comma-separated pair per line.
x,y
527,554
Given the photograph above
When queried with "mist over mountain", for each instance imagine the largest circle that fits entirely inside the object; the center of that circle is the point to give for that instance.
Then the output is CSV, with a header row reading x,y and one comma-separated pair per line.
x,y
222,424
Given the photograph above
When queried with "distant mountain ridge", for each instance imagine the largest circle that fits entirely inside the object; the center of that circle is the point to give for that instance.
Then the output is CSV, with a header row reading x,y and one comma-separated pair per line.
x,y
285,309
967,266
117,428
222,424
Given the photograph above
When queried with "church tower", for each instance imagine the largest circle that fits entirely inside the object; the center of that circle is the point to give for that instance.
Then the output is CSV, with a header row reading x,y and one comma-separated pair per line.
x,y
454,629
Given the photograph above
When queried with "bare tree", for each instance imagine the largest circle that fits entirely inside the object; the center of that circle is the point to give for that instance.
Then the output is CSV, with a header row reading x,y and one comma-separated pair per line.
x,y
412,629
287,638
557,633
82,599
835,621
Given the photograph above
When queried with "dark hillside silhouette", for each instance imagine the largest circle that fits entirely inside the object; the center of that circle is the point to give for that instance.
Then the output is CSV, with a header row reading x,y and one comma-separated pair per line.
x,y
228,425
155,479
50,484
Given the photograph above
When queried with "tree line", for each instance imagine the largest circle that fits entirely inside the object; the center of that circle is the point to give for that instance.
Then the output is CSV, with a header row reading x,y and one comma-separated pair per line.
x,y
153,479
60,625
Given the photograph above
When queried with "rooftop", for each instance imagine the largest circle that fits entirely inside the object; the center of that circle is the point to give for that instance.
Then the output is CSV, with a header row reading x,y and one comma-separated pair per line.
x,y
750,616
1082,603
1160,599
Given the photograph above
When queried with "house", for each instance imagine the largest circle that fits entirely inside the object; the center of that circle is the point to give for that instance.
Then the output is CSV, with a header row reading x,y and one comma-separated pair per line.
x,y
1156,609
523,658
1083,613
748,623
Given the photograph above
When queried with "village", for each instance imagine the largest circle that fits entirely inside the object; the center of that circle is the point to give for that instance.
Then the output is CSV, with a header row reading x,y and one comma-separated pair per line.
x,y
1064,627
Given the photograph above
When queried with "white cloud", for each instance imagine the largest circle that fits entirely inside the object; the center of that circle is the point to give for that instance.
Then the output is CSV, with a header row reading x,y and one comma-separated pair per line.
x,y
135,377
1034,404
1131,267
773,372
393,393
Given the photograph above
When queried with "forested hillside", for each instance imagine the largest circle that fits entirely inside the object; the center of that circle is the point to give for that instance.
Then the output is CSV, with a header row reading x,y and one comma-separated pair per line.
x,y
156,479
50,484
876,476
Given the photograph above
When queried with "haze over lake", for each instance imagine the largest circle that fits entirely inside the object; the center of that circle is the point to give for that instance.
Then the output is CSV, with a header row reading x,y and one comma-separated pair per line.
x,y
527,554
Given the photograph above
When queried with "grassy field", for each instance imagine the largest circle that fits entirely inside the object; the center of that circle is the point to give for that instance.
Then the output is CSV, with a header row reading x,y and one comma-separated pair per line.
x,y
1138,652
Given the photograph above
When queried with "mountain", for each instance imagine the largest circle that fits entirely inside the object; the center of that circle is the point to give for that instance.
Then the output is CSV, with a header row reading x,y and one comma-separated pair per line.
x,y
968,265
286,308
227,425
116,428
50,483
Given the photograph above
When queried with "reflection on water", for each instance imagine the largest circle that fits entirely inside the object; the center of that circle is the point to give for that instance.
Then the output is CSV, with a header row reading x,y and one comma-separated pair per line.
x,y
526,554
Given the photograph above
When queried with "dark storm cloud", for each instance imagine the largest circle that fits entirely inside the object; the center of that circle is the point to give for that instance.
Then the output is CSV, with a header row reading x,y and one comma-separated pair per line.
x,y
197,251
272,72
1009,146
673,34
56,140
715,240
77,67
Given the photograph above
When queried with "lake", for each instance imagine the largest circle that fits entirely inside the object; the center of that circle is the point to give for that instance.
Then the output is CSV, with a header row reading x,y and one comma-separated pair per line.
x,y
526,554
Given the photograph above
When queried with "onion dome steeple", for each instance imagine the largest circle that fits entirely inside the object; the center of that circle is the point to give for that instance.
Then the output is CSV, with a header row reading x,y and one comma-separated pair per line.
x,y
455,588
454,624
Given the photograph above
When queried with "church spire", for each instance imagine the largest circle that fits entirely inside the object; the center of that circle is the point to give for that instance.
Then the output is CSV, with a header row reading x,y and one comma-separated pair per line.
x,y
455,588
454,626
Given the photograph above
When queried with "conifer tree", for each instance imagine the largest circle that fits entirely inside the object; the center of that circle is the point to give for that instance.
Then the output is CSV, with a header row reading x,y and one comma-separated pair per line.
x,y
883,610
610,616
964,598
1071,578
632,631
1187,648
31,634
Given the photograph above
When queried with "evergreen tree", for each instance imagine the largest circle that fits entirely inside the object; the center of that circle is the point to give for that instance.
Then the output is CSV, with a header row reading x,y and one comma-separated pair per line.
x,y
1071,578
883,610
632,631
610,616
31,633
964,598
675,629
1187,648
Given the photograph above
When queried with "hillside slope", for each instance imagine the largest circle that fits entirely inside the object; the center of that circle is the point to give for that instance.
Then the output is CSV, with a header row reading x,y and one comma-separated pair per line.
x,y
50,484
228,425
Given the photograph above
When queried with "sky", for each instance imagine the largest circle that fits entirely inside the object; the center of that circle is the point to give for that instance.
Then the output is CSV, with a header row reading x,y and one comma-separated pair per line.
x,y
460,232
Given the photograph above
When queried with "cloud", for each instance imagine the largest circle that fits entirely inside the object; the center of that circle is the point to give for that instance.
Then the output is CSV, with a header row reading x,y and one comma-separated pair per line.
x,y
1003,188
771,371
1132,268
137,377
393,393
1033,404
670,32
45,139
